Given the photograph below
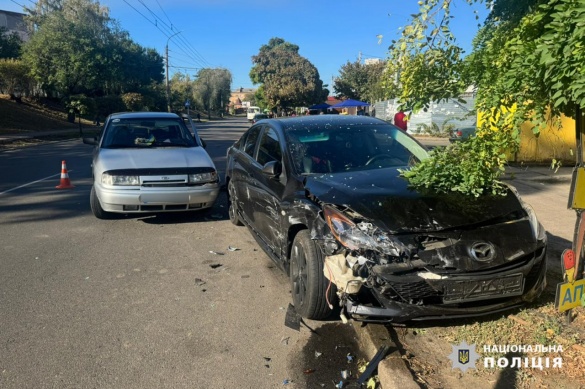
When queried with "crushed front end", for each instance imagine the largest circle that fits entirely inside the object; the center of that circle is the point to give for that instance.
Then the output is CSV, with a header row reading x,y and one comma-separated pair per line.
x,y
432,273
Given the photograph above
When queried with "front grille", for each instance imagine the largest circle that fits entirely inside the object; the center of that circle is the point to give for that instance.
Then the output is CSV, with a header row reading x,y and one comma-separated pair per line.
x,y
414,290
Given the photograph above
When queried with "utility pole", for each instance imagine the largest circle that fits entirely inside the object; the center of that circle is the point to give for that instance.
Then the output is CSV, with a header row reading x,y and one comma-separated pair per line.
x,y
167,71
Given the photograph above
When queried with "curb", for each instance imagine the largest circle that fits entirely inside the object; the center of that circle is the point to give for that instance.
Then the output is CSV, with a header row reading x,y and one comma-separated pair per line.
x,y
393,371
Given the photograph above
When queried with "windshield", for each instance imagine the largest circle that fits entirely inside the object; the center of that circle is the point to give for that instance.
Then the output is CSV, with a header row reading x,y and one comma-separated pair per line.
x,y
351,148
136,132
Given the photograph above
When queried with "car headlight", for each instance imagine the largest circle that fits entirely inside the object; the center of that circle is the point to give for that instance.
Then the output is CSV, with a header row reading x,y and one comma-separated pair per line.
x,y
109,179
346,231
538,230
202,178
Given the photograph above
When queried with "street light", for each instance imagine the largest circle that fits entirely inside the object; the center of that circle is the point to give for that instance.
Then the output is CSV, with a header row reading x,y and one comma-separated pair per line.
x,y
167,70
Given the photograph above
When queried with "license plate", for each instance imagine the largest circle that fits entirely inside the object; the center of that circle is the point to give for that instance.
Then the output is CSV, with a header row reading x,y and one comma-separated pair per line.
x,y
472,290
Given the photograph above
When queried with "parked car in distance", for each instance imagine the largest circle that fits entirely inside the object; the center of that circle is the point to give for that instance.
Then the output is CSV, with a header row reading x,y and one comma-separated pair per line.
x,y
259,116
150,162
324,198
463,133
251,111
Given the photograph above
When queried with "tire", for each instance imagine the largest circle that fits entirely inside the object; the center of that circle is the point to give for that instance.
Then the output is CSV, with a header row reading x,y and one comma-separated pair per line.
x,y
96,207
308,283
233,206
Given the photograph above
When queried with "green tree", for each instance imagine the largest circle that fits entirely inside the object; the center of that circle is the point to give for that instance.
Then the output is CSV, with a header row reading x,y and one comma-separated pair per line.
x,y
9,44
360,81
76,47
14,79
211,89
527,63
288,79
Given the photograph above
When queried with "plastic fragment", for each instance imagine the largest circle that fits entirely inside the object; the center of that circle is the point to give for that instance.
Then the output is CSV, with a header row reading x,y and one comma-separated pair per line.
x,y
231,248
344,374
339,385
318,354
309,371
215,252
215,265
286,382
349,358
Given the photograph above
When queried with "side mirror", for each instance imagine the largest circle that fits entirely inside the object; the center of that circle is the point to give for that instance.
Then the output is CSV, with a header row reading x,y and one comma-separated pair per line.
x,y
91,141
272,169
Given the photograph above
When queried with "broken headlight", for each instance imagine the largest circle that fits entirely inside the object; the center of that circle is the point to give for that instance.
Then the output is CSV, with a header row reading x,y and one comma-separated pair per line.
x,y
347,232
538,230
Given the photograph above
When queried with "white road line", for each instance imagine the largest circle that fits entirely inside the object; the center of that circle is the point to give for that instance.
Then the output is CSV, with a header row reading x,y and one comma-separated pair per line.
x,y
34,182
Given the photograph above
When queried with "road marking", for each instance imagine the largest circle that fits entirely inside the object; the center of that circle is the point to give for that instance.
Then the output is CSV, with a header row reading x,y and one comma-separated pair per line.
x,y
31,183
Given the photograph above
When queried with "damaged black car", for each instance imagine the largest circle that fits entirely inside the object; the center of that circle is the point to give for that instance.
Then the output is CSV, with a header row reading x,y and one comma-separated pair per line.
x,y
324,198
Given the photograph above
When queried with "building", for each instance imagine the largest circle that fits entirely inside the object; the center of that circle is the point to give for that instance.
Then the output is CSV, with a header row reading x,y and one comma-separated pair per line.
x,y
238,99
14,23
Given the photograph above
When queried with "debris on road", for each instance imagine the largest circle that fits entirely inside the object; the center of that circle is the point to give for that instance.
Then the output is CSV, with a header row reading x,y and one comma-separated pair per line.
x,y
373,365
215,265
292,319
215,252
230,248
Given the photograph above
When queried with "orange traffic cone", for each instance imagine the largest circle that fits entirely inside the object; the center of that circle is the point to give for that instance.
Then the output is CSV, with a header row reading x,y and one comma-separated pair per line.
x,y
65,183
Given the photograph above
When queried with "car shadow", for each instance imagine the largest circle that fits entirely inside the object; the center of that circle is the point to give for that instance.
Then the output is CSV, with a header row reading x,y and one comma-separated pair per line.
x,y
218,212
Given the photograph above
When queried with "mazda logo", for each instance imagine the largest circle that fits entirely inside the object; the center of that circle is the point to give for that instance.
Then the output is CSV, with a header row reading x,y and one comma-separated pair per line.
x,y
483,251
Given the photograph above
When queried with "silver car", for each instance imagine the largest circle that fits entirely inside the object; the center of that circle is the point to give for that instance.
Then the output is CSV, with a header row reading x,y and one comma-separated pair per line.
x,y
150,162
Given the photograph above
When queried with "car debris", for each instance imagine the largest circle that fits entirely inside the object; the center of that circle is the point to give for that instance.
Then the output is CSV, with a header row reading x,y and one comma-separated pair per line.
x,y
216,252
373,364
230,248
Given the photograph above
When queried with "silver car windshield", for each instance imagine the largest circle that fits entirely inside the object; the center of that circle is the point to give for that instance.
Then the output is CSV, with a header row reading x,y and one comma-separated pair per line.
x,y
133,133
351,148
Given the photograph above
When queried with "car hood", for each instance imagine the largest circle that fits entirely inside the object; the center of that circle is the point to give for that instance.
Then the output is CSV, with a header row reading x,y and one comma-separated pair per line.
x,y
144,158
384,197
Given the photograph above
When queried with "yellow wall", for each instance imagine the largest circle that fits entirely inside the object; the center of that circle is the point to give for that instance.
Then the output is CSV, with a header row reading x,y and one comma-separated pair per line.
x,y
550,143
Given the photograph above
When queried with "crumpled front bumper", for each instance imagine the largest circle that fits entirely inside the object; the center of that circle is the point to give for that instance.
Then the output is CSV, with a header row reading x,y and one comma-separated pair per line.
x,y
392,311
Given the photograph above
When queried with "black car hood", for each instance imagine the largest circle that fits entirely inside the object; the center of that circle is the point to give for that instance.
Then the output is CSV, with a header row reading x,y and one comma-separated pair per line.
x,y
384,197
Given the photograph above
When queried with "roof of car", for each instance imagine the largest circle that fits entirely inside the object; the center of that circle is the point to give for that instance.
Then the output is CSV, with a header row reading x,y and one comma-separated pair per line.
x,y
290,123
143,115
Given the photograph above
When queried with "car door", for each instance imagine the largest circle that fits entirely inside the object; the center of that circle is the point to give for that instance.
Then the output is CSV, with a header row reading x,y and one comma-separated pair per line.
x,y
266,190
243,176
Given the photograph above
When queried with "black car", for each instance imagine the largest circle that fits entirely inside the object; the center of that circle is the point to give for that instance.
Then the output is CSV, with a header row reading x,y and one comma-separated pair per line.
x,y
324,198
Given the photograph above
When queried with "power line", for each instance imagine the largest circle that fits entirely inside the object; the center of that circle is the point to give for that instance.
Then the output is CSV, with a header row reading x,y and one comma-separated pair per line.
x,y
17,3
180,41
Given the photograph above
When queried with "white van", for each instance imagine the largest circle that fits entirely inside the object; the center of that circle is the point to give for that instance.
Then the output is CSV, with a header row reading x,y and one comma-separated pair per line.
x,y
252,111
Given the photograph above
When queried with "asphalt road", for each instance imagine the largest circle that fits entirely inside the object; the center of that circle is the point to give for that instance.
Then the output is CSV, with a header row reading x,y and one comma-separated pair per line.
x,y
141,302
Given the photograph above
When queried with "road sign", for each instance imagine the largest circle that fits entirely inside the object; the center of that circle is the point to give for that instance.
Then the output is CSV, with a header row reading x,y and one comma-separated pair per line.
x,y
187,103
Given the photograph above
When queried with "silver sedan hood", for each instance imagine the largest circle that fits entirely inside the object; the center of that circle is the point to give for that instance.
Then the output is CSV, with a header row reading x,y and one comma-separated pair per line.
x,y
161,157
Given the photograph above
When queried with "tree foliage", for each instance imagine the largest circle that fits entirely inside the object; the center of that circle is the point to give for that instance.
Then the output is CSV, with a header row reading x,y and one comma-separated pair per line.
x,y
211,89
360,81
527,65
287,78
14,79
75,47
9,44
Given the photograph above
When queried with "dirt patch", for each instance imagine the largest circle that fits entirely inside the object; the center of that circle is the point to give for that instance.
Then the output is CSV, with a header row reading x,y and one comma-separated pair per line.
x,y
428,349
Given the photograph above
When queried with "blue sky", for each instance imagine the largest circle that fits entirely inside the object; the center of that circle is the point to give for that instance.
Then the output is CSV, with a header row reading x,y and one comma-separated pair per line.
x,y
227,33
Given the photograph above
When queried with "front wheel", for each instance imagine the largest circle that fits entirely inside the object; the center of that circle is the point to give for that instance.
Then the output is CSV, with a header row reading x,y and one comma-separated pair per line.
x,y
96,207
311,290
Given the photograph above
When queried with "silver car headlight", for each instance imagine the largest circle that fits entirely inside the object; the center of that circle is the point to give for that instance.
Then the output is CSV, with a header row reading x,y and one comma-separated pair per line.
x,y
116,180
202,178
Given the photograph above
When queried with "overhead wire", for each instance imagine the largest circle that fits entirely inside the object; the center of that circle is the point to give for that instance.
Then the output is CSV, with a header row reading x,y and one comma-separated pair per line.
x,y
180,41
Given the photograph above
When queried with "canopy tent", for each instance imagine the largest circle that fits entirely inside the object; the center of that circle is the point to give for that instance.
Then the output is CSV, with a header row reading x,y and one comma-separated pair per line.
x,y
320,106
350,103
